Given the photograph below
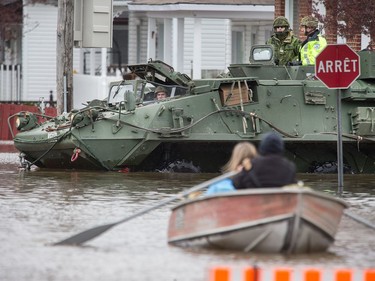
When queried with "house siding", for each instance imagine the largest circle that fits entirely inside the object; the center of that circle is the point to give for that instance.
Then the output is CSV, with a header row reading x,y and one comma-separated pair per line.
x,y
215,46
39,52
144,38
133,39
138,28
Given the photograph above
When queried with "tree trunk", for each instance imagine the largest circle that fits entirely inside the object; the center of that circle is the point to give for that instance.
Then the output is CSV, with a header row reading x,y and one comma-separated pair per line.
x,y
64,51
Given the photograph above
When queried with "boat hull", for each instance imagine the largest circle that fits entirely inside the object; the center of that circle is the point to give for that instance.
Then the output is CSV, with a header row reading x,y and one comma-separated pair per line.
x,y
268,220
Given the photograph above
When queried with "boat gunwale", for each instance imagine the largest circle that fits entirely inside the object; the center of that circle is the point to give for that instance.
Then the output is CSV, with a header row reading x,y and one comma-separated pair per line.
x,y
266,191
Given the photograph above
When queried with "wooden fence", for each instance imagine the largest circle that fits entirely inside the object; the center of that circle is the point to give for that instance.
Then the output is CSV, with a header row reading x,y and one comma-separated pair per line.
x,y
7,110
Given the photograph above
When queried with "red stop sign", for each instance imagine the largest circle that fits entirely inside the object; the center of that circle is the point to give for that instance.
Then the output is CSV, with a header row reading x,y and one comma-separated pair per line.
x,y
337,66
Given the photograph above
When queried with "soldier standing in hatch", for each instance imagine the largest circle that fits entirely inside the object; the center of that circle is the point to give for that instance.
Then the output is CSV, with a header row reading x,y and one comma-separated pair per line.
x,y
160,93
285,44
314,42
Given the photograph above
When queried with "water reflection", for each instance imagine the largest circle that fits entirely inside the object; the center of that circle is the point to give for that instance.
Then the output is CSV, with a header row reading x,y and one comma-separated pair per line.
x,y
40,207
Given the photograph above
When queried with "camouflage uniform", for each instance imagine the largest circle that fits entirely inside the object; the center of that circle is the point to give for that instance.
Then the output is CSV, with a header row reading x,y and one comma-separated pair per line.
x,y
285,44
314,43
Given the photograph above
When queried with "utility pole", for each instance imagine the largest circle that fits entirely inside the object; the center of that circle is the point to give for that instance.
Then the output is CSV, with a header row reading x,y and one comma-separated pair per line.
x,y
64,62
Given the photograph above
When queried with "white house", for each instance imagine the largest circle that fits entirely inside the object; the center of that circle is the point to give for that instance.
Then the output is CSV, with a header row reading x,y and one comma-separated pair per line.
x,y
199,38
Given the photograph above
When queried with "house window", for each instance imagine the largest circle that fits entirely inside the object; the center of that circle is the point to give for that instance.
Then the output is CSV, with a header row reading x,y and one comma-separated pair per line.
x,y
119,50
160,42
237,46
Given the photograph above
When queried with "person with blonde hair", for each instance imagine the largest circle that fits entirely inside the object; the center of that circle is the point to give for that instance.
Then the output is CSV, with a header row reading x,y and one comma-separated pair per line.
x,y
270,169
241,157
240,160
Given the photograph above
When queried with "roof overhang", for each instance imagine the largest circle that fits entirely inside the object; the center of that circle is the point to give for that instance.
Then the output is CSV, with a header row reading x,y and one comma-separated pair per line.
x,y
251,12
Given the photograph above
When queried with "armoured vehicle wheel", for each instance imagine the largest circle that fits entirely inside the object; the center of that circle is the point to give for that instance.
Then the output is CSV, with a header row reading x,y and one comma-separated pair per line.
x,y
330,168
181,167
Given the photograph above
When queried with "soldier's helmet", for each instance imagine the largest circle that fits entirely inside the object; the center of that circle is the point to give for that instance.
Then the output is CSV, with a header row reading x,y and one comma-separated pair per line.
x,y
310,21
160,89
281,21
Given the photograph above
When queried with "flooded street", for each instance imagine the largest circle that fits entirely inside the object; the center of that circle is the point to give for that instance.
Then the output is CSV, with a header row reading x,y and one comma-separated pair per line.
x,y
40,207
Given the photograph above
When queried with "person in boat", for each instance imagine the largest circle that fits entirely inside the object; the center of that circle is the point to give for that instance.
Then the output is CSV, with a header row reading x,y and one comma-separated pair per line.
x,y
241,158
314,42
270,168
285,44
160,93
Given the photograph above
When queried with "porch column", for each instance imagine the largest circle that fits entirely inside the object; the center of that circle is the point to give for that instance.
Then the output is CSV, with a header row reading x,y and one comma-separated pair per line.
x,y
104,62
151,42
197,52
167,55
92,61
248,41
178,44
134,38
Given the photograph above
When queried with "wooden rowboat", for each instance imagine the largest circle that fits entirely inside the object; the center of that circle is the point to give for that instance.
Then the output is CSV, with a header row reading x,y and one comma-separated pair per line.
x,y
267,220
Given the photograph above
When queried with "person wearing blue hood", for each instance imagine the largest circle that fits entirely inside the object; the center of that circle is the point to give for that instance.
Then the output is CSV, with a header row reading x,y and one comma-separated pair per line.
x,y
270,168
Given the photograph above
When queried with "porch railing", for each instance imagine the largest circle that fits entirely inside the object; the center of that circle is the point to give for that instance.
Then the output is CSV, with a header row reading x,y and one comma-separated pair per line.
x,y
10,83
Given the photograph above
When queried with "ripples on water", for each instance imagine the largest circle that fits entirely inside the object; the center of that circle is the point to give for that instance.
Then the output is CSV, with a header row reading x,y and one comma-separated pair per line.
x,y
40,207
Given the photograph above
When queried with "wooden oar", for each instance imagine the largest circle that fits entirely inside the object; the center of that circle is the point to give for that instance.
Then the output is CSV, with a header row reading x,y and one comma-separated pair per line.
x,y
359,219
91,233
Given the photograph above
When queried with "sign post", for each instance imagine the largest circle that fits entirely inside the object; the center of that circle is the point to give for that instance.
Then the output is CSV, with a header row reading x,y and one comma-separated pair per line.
x,y
337,66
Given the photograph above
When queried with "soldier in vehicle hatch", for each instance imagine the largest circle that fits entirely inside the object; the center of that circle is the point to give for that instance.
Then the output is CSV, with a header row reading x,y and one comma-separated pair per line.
x,y
160,93
314,43
285,44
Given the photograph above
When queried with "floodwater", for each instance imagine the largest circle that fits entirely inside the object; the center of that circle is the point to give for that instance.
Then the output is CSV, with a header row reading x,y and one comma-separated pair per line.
x,y
40,207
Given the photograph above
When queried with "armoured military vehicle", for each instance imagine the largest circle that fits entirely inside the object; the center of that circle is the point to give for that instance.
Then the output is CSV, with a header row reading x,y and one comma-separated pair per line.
x,y
195,128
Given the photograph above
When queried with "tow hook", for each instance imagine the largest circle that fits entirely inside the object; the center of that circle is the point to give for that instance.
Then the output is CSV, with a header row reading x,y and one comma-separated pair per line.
x,y
75,155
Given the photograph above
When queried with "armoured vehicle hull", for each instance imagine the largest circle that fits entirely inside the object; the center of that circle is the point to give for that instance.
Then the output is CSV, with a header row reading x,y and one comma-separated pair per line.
x,y
196,126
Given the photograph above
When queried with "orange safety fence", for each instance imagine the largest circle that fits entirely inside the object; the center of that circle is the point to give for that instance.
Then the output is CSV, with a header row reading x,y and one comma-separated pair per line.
x,y
225,273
